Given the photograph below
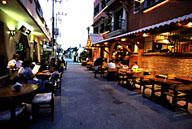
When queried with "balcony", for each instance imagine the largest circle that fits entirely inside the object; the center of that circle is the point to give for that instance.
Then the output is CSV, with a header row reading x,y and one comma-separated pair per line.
x,y
117,27
111,5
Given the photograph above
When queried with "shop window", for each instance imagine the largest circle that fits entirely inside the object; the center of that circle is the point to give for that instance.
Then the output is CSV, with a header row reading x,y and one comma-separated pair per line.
x,y
179,41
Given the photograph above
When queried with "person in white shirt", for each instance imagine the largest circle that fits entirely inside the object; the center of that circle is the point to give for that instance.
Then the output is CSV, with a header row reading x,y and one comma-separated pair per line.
x,y
125,67
135,66
111,64
15,62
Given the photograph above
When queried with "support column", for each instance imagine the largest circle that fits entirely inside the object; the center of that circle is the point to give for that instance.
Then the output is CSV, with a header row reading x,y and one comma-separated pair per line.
x,y
139,59
140,52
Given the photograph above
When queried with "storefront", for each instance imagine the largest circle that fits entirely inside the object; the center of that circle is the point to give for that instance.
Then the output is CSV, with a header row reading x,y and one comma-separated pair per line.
x,y
22,31
165,47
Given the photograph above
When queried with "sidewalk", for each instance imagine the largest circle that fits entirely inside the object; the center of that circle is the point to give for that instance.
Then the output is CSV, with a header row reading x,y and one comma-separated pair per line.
x,y
86,102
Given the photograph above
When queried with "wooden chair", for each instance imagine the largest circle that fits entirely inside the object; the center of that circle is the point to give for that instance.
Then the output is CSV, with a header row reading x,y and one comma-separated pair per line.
x,y
44,100
137,78
5,112
148,84
179,92
122,77
111,73
12,113
58,81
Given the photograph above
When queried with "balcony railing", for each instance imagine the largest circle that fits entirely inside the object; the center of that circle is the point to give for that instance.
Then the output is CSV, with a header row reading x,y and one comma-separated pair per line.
x,y
117,27
118,24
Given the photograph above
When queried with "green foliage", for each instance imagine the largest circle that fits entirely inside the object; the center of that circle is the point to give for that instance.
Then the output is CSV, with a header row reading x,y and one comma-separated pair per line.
x,y
84,54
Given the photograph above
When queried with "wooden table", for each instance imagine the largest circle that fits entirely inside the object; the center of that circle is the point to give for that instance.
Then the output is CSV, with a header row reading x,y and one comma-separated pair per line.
x,y
165,85
43,75
183,79
10,97
133,76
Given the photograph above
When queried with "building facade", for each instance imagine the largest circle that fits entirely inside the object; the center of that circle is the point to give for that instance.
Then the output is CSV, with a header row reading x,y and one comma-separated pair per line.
x,y
22,30
157,33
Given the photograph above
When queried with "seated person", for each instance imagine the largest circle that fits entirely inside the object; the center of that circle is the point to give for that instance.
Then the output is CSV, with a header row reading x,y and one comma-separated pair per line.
x,y
111,64
135,66
28,77
54,75
119,64
51,64
125,67
15,62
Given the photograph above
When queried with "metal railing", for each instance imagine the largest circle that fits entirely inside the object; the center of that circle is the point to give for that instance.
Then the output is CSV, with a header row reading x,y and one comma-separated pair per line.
x,y
118,24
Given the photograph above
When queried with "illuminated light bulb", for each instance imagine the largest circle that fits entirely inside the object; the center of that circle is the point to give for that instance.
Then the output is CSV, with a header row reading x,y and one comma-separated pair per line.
x,y
145,34
189,25
4,2
123,39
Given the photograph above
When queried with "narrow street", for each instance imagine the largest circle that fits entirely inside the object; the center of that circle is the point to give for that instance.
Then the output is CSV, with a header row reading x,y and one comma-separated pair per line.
x,y
86,102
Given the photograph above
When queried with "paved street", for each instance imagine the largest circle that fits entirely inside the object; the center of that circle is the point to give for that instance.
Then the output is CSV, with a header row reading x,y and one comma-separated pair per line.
x,y
86,102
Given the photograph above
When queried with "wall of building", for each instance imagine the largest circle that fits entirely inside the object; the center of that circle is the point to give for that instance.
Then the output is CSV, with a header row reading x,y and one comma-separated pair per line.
x,y
168,11
9,41
32,10
181,66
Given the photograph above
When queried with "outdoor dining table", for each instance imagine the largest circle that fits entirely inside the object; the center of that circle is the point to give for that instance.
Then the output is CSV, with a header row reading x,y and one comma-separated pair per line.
x,y
43,75
132,75
165,85
10,97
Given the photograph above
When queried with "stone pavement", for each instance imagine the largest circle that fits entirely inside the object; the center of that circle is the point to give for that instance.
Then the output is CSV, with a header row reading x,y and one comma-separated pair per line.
x,y
86,102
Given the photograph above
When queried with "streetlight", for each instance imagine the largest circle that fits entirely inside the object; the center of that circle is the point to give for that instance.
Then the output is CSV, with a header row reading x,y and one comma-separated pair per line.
x,y
53,23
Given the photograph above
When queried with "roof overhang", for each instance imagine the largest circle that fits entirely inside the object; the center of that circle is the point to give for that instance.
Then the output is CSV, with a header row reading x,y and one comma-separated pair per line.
x,y
150,28
111,5
19,13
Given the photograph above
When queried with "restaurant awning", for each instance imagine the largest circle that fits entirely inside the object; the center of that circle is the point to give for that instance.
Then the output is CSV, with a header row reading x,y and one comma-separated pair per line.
x,y
93,39
155,26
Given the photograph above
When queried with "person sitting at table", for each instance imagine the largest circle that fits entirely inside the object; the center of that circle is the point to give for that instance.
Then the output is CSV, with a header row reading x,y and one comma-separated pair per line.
x,y
43,65
111,64
135,66
51,64
119,64
125,66
15,62
27,75
53,75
